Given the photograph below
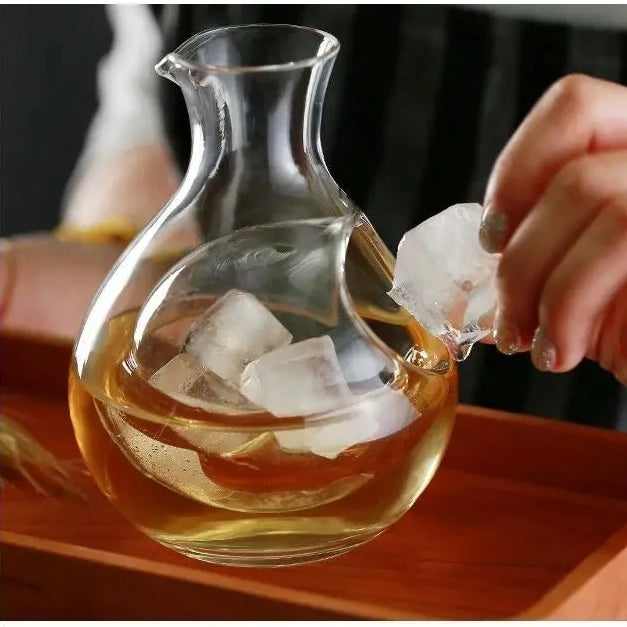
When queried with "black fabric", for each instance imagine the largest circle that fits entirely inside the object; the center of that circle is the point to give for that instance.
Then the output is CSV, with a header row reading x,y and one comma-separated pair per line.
x,y
542,61
623,60
48,75
361,128
595,396
454,136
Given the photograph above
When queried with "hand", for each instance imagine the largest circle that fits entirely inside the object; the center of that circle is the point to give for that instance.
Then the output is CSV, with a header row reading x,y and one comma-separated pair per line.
x,y
556,206
47,284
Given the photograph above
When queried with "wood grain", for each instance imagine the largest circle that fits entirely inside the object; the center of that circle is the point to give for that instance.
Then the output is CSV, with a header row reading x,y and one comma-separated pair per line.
x,y
525,518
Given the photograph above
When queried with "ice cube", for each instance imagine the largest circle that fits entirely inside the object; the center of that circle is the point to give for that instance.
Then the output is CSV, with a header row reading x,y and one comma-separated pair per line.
x,y
445,279
234,331
361,362
371,417
297,380
185,381
178,375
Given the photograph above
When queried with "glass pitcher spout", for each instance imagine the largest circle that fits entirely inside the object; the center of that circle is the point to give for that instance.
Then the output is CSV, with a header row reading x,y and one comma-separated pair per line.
x,y
254,97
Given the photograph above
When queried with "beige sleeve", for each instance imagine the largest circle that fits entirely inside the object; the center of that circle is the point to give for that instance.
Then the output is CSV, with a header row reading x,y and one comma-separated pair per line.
x,y
125,172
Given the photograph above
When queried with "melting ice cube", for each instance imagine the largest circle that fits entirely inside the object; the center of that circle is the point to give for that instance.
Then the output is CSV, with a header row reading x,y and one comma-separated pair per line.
x,y
234,331
184,380
371,417
445,279
297,380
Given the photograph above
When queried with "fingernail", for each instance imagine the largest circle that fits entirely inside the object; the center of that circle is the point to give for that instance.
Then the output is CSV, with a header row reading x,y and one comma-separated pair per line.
x,y
492,230
543,352
506,336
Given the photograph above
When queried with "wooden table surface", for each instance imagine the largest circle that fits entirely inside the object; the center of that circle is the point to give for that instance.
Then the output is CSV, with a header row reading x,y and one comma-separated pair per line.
x,y
525,518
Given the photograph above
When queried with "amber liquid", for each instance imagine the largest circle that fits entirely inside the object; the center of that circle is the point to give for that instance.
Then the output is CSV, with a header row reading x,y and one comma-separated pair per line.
x,y
252,503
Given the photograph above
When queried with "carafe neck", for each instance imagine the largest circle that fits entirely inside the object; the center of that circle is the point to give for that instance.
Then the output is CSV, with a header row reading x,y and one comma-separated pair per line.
x,y
256,150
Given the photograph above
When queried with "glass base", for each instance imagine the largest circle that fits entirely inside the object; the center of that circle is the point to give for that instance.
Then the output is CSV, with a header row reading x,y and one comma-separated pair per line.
x,y
267,558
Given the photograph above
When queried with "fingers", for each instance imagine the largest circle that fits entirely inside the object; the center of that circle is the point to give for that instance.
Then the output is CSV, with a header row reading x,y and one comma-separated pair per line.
x,y
570,204
578,115
579,291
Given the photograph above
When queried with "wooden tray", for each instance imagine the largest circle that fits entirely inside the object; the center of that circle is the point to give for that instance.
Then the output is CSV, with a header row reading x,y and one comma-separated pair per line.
x,y
525,518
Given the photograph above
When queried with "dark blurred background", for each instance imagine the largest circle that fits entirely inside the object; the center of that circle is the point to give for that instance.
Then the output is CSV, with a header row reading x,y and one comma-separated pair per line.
x,y
49,57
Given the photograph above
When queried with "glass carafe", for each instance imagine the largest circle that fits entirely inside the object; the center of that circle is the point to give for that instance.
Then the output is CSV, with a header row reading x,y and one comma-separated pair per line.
x,y
243,389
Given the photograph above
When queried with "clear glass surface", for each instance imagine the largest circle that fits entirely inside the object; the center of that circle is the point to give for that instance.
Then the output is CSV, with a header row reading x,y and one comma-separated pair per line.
x,y
243,389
